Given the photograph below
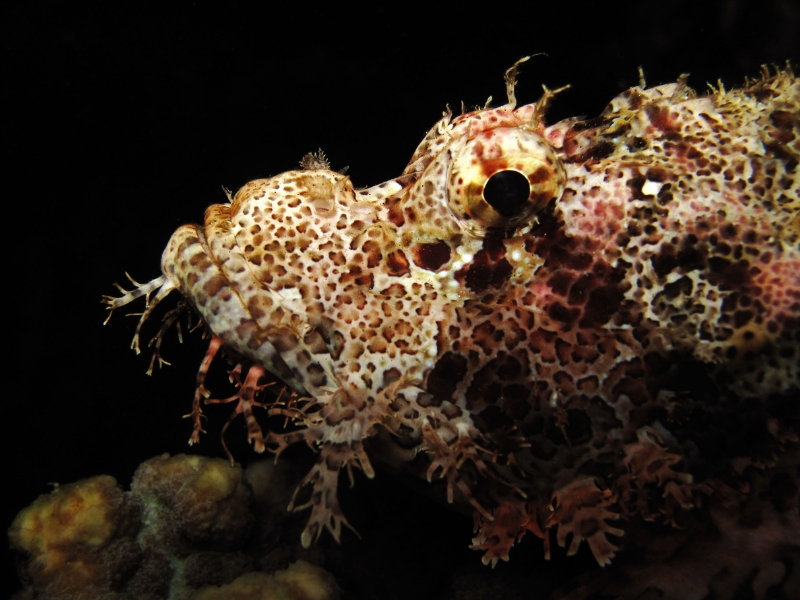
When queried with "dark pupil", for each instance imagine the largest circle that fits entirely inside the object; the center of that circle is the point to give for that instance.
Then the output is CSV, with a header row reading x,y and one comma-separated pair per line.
x,y
507,192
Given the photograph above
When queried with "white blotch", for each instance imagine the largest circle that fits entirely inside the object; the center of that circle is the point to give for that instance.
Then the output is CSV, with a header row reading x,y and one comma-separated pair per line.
x,y
516,254
289,293
651,188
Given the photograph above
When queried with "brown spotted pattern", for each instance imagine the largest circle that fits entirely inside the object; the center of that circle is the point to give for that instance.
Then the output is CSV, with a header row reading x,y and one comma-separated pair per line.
x,y
620,343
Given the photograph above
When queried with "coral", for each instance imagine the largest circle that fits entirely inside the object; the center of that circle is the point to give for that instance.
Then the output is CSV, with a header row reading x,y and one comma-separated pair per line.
x,y
188,523
194,500
75,536
301,581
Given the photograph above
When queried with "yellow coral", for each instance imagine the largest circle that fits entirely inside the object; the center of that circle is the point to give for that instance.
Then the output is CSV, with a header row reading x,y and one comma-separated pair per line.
x,y
186,523
201,499
300,581
59,528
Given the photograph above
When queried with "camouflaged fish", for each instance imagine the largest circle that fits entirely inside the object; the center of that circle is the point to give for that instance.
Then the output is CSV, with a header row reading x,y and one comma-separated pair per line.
x,y
574,328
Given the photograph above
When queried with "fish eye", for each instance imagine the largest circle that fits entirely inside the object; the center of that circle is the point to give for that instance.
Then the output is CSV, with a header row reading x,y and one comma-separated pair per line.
x,y
507,192
503,178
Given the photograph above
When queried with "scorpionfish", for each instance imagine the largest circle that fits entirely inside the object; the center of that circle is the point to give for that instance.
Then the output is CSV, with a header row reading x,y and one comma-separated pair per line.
x,y
571,328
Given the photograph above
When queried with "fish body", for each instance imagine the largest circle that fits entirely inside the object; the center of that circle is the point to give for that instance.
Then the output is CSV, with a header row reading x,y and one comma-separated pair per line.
x,y
575,327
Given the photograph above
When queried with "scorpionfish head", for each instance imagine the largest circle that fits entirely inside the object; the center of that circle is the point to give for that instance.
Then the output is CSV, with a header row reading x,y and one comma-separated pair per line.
x,y
327,286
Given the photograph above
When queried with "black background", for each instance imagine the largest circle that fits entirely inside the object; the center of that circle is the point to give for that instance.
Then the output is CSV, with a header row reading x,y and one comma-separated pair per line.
x,y
121,123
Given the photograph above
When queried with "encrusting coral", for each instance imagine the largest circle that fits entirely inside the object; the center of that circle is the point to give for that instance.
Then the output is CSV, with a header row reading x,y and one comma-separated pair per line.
x,y
299,580
186,530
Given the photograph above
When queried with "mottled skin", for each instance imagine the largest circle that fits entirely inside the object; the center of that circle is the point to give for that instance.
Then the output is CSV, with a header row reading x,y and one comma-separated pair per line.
x,y
610,346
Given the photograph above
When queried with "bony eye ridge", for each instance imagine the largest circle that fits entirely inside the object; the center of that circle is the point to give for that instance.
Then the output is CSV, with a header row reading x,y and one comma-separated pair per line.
x,y
504,177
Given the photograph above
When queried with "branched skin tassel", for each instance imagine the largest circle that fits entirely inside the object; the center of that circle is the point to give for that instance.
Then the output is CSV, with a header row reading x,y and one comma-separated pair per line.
x,y
580,325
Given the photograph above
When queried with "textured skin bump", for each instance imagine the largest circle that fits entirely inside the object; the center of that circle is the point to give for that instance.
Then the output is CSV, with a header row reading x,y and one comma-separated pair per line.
x,y
612,345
